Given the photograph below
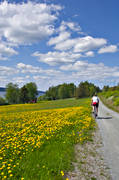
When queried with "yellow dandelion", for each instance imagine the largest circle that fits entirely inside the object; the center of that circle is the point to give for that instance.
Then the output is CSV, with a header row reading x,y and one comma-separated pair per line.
x,y
11,175
9,171
62,173
2,173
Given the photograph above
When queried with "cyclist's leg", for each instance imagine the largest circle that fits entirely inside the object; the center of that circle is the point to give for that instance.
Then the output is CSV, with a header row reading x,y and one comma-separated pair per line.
x,y
95,111
97,108
93,106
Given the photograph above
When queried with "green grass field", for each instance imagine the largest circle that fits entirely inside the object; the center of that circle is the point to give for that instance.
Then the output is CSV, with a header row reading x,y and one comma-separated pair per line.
x,y
37,140
44,105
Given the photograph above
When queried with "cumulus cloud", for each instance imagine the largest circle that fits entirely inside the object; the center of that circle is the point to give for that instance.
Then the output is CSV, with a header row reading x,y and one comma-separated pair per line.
x,y
91,71
61,37
19,80
6,51
44,78
26,23
66,45
80,44
27,68
56,58
6,71
76,66
108,49
89,54
69,25
88,43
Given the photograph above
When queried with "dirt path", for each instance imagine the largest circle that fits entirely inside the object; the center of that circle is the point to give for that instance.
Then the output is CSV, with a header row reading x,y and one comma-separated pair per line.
x,y
89,164
108,122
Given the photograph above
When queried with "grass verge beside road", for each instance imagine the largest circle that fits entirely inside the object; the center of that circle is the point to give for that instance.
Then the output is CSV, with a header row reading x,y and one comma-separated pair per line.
x,y
111,101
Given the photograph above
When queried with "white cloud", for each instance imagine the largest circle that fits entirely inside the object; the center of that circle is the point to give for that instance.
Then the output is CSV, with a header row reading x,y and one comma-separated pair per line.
x,y
26,68
88,43
6,71
26,23
56,58
66,45
19,80
108,49
41,77
89,54
6,51
76,66
90,71
44,78
71,25
62,36
78,44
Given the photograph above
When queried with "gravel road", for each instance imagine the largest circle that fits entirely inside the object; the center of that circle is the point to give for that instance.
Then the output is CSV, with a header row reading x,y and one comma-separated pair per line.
x,y
108,122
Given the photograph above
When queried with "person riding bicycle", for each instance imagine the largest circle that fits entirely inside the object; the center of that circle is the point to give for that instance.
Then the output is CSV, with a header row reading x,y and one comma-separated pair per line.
x,y
95,102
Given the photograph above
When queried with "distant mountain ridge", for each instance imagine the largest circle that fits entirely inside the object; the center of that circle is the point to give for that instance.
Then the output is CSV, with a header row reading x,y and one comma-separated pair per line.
x,y
41,92
3,90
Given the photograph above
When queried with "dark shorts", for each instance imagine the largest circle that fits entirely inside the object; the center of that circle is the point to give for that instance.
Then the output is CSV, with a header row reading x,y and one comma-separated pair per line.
x,y
96,104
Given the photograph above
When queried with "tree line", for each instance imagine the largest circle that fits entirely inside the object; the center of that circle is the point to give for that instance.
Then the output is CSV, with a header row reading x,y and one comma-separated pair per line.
x,y
63,91
28,93
16,95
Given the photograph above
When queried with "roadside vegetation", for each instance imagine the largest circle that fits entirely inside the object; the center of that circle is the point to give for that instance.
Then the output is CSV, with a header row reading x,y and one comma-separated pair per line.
x,y
37,140
110,97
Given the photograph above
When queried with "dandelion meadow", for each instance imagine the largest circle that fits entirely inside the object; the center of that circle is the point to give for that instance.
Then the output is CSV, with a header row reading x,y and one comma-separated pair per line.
x,y
37,140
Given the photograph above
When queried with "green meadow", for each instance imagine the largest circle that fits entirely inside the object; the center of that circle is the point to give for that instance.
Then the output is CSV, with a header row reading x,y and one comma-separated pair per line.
x,y
37,140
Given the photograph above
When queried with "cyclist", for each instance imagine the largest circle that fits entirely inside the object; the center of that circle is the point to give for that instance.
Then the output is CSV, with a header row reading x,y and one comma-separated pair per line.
x,y
95,102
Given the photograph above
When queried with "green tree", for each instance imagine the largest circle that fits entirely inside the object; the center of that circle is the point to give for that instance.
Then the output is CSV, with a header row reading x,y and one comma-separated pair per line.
x,y
63,91
86,89
24,95
80,91
12,93
105,88
71,89
32,91
52,93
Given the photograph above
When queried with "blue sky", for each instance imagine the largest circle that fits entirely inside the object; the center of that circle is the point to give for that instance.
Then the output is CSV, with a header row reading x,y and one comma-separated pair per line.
x,y
50,42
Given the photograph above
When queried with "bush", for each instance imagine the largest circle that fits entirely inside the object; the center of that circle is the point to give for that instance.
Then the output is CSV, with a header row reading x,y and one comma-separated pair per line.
x,y
116,102
2,101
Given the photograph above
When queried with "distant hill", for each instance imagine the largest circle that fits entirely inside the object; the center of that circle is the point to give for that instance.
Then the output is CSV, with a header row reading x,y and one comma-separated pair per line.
x,y
2,89
40,93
